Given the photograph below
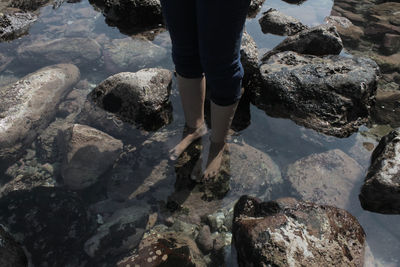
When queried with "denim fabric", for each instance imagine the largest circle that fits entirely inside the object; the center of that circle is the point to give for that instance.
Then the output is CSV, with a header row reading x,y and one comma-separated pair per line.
x,y
206,37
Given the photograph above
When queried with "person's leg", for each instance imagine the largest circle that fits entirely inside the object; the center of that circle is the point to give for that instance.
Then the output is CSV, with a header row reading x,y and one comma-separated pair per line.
x,y
181,22
220,24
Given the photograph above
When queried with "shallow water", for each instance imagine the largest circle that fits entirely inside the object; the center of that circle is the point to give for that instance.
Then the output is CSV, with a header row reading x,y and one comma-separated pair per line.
x,y
281,139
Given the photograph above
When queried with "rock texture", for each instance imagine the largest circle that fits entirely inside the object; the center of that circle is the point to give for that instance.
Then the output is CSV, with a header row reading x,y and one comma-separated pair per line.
x,y
319,41
349,33
80,51
131,15
275,22
44,219
255,6
14,24
11,253
141,98
29,105
381,190
332,94
291,233
327,178
88,153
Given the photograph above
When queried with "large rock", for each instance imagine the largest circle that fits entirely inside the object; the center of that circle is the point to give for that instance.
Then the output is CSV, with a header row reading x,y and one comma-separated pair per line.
x,y
349,33
51,223
275,22
327,178
141,98
131,15
31,5
80,51
319,41
131,54
287,232
11,253
381,190
29,105
332,94
88,153
14,24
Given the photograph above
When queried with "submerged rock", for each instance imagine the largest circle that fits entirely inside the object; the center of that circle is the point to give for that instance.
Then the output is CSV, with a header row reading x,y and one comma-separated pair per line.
x,y
131,15
4,61
319,41
80,51
287,232
141,98
387,107
381,190
332,94
14,24
87,154
44,219
327,178
11,253
28,106
130,54
276,22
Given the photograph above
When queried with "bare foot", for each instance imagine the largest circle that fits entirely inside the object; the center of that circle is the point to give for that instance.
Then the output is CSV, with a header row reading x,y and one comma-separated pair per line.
x,y
214,160
189,136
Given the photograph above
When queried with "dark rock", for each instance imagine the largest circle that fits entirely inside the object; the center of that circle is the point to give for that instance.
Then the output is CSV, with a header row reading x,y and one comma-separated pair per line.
x,y
141,98
319,41
51,219
276,22
131,15
87,154
327,178
332,94
287,232
14,24
29,105
255,6
387,107
80,51
296,2
381,190
391,43
11,253
30,5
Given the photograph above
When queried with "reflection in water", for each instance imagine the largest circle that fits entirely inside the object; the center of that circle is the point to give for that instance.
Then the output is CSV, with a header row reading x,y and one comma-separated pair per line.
x,y
142,181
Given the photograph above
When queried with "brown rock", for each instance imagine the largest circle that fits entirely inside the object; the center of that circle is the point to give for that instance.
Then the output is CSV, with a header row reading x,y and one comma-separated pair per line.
x,y
391,43
287,232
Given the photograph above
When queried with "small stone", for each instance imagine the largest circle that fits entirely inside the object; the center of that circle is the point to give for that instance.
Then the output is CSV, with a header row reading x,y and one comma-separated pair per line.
x,y
158,252
149,259
165,257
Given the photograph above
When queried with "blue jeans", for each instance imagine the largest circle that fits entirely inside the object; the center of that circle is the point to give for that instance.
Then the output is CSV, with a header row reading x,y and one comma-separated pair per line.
x,y
206,37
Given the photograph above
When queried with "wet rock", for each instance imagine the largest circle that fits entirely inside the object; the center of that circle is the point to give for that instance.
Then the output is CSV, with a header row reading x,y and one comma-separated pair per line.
x,y
14,24
11,253
384,19
349,33
52,218
332,94
118,234
255,6
387,108
141,98
204,240
387,64
29,105
130,54
391,43
31,5
327,178
88,153
381,190
287,232
161,247
80,51
276,22
319,41
131,15
297,2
